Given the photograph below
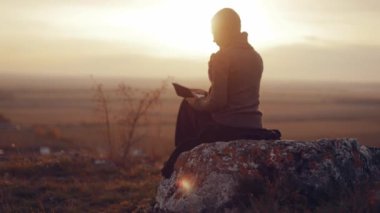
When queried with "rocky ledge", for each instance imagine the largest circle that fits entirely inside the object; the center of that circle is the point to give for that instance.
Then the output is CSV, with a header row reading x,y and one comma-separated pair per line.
x,y
273,175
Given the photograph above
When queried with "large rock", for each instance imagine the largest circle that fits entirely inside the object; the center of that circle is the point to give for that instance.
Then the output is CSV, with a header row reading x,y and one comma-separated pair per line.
x,y
240,175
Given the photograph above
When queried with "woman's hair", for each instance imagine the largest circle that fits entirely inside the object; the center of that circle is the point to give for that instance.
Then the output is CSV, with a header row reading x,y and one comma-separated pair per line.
x,y
227,21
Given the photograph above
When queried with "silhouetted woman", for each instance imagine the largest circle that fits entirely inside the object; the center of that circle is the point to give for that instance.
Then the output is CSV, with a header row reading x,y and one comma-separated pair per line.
x,y
230,110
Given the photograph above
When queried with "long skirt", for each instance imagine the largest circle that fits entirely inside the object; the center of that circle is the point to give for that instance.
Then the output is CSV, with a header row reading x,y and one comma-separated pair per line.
x,y
196,127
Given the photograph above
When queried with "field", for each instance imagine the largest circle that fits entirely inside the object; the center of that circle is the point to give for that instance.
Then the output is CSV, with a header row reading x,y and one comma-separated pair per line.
x,y
75,174
300,110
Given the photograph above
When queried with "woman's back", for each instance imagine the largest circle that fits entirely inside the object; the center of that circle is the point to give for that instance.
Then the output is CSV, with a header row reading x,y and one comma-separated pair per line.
x,y
244,71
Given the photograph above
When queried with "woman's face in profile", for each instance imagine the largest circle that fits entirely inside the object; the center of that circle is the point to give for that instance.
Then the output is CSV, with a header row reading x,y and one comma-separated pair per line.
x,y
216,33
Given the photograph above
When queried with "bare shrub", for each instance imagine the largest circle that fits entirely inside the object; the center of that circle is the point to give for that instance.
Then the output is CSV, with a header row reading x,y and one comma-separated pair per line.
x,y
102,101
134,106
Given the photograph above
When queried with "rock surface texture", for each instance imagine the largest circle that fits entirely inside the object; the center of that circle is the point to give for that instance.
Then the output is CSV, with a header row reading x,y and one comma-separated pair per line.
x,y
245,174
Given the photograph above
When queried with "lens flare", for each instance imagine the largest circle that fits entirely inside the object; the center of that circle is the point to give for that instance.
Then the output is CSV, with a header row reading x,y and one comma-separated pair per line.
x,y
185,184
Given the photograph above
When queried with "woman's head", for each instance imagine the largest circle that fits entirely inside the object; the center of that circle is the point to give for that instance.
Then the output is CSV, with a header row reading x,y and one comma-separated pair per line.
x,y
225,26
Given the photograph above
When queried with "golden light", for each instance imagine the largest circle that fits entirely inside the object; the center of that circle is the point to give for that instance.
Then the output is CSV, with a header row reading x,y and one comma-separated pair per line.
x,y
169,28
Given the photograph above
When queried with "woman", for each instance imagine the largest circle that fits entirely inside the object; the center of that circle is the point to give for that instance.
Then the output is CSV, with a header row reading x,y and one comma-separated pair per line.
x,y
231,108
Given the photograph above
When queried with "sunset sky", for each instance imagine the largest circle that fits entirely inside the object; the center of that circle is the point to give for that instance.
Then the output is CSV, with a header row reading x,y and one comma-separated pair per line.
x,y
299,39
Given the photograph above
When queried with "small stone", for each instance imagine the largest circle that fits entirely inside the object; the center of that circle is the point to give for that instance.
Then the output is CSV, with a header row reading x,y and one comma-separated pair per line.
x,y
44,150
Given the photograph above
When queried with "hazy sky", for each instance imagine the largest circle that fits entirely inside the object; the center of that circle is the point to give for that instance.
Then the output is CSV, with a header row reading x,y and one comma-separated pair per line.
x,y
298,39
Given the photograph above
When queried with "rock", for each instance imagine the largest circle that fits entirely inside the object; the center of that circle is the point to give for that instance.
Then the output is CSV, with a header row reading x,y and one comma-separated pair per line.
x,y
236,175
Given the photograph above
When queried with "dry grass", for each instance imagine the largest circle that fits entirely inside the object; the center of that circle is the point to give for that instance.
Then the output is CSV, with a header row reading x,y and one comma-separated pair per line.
x,y
255,197
74,183
72,178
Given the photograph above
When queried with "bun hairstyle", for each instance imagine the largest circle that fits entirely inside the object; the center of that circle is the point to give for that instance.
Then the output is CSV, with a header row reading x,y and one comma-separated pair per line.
x,y
226,21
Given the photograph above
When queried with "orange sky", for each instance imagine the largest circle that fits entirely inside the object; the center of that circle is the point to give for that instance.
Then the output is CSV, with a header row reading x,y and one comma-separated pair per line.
x,y
298,39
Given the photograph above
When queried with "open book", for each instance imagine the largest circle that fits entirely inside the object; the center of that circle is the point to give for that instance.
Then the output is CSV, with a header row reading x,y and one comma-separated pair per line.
x,y
186,92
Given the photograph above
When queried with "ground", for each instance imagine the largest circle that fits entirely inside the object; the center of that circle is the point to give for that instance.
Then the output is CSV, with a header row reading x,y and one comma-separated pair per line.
x,y
41,171
71,182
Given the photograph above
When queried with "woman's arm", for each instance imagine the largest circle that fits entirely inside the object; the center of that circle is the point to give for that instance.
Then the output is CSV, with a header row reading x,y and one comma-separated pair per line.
x,y
217,98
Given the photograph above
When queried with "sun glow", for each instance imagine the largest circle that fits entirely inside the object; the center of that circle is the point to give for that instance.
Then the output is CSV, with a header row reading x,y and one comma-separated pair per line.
x,y
149,38
171,28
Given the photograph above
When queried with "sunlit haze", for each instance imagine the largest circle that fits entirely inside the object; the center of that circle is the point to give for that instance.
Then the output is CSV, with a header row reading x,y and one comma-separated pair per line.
x,y
312,40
